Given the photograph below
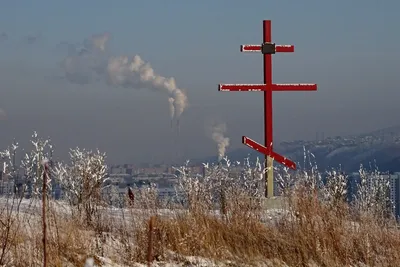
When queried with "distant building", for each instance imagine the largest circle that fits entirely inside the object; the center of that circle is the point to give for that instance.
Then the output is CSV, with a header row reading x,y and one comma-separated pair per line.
x,y
117,170
6,185
395,192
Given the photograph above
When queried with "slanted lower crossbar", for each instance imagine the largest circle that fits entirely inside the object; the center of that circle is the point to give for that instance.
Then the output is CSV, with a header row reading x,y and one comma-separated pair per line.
x,y
268,151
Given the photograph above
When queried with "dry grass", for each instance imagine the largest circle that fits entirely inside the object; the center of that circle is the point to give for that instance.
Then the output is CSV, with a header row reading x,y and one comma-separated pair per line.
x,y
64,242
318,234
312,232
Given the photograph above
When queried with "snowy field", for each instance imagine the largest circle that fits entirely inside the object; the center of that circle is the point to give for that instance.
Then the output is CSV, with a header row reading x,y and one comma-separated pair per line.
x,y
121,235
33,207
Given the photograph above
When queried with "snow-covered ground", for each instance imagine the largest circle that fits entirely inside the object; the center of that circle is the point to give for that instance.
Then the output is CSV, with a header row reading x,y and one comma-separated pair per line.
x,y
189,261
33,208
30,206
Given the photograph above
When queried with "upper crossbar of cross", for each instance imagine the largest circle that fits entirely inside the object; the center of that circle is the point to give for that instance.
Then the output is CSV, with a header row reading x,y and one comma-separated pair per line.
x,y
268,48
273,48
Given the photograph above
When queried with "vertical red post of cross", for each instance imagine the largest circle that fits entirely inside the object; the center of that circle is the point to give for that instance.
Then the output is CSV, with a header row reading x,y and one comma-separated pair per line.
x,y
268,133
267,48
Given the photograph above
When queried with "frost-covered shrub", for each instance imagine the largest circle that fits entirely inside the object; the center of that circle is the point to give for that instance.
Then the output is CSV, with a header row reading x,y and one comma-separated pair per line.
x,y
146,196
193,190
373,193
309,179
335,189
8,159
221,184
83,179
33,167
285,180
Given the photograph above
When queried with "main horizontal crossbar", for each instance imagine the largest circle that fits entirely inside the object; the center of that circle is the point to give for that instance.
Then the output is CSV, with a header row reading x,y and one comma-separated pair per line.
x,y
257,48
265,87
268,152
294,87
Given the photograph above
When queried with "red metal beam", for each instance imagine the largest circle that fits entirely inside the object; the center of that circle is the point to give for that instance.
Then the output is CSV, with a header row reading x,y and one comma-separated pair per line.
x,y
254,145
281,159
250,48
284,48
257,48
263,87
294,87
242,87
267,151
267,60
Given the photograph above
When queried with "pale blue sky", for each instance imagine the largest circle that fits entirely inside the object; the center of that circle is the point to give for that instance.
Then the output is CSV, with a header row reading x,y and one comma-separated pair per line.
x,y
350,48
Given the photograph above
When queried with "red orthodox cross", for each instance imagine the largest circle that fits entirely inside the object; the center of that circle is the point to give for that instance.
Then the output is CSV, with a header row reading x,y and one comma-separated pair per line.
x,y
267,48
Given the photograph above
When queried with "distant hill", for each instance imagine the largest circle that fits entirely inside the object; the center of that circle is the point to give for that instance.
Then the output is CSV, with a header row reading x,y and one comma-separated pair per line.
x,y
381,147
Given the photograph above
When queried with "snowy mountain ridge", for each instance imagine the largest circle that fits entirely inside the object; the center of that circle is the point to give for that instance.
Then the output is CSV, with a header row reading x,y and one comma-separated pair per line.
x,y
380,148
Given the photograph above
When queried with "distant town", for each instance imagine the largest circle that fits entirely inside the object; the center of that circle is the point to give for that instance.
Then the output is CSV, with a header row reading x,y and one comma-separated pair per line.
x,y
165,177
121,177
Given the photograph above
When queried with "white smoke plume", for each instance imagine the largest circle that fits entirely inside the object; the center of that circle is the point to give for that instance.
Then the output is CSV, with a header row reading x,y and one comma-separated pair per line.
x,y
217,135
171,108
97,41
91,63
136,73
